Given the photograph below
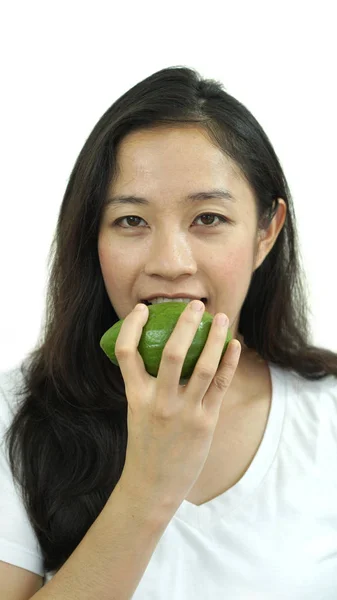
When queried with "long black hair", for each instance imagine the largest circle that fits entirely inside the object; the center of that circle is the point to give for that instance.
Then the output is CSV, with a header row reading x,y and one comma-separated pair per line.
x,y
67,441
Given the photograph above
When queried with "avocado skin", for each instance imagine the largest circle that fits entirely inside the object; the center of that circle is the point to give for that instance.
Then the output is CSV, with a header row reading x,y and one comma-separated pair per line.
x,y
161,321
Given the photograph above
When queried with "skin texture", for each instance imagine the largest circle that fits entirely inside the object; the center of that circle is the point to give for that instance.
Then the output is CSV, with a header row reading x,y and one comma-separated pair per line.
x,y
174,246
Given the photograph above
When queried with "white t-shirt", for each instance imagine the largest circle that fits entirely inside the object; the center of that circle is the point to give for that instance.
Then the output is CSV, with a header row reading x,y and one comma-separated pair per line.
x,y
272,536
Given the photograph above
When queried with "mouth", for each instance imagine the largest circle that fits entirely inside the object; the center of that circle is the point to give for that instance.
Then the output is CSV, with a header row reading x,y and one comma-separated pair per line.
x,y
149,303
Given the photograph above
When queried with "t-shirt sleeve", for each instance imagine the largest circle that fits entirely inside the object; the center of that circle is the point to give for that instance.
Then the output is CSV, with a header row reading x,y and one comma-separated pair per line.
x,y
18,543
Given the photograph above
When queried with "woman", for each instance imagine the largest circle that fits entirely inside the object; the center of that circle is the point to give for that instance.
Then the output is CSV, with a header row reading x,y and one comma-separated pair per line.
x,y
127,485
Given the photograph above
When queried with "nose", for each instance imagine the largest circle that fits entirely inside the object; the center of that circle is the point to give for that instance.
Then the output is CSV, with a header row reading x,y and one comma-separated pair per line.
x,y
170,256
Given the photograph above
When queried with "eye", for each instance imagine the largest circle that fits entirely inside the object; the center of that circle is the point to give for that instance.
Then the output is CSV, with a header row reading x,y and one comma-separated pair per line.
x,y
118,221
221,219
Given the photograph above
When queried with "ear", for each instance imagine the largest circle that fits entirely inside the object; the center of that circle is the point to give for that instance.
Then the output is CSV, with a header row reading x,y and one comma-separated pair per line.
x,y
267,237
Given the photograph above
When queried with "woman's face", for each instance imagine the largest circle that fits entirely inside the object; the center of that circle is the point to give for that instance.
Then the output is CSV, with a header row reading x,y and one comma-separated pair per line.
x,y
207,247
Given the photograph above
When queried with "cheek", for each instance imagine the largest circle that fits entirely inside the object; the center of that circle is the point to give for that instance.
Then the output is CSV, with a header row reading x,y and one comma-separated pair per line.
x,y
235,268
233,274
105,254
117,265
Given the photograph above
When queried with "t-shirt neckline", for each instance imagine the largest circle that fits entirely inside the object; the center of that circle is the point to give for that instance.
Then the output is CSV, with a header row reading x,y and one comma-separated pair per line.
x,y
230,500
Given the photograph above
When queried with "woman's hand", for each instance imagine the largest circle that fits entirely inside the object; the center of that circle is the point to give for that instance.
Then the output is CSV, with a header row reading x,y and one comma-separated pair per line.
x,y
171,427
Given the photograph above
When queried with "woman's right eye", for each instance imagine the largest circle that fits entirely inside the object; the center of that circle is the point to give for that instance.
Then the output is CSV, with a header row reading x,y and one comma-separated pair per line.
x,y
118,221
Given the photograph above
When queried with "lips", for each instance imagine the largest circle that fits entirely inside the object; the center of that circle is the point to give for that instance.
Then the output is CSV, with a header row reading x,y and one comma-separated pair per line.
x,y
147,300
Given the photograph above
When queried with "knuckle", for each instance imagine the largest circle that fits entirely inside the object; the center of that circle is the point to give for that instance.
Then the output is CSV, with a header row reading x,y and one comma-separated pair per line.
x,y
163,415
161,410
201,424
172,356
222,380
122,351
204,373
188,315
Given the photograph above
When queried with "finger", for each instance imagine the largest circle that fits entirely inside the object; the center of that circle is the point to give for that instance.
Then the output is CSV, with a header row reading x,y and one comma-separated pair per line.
x,y
206,377
177,346
126,349
223,378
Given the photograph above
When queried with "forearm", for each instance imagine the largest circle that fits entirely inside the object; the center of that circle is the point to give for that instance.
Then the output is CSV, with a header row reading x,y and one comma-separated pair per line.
x,y
112,557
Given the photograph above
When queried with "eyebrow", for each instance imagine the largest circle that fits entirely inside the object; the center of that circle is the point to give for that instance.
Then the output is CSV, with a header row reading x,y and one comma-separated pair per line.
x,y
198,196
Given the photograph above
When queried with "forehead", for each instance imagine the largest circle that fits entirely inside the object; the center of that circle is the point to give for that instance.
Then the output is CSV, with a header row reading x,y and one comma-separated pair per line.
x,y
171,161
171,148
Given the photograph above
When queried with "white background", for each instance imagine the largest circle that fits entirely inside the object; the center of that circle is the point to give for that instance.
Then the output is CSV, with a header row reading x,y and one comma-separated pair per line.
x,y
64,63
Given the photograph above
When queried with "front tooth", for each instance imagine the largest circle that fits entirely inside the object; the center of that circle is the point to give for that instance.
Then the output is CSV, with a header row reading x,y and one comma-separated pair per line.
x,y
157,300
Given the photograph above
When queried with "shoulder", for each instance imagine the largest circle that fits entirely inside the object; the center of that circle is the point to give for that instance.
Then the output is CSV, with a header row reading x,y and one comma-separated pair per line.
x,y
316,398
19,545
324,388
301,392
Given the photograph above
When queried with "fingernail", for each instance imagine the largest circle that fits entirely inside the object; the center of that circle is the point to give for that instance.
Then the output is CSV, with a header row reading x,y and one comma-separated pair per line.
x,y
236,349
221,319
197,305
140,306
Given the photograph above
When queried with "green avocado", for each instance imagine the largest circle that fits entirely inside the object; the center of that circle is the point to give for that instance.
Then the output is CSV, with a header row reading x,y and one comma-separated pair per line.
x,y
161,321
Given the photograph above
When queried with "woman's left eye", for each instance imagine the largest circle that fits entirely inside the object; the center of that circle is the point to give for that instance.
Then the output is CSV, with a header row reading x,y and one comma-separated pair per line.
x,y
212,215
221,219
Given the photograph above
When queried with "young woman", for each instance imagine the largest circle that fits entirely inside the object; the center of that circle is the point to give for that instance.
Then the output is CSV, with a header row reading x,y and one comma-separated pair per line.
x,y
115,484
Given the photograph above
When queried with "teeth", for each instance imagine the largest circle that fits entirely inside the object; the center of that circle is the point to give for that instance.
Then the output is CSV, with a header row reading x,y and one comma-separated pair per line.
x,y
158,300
